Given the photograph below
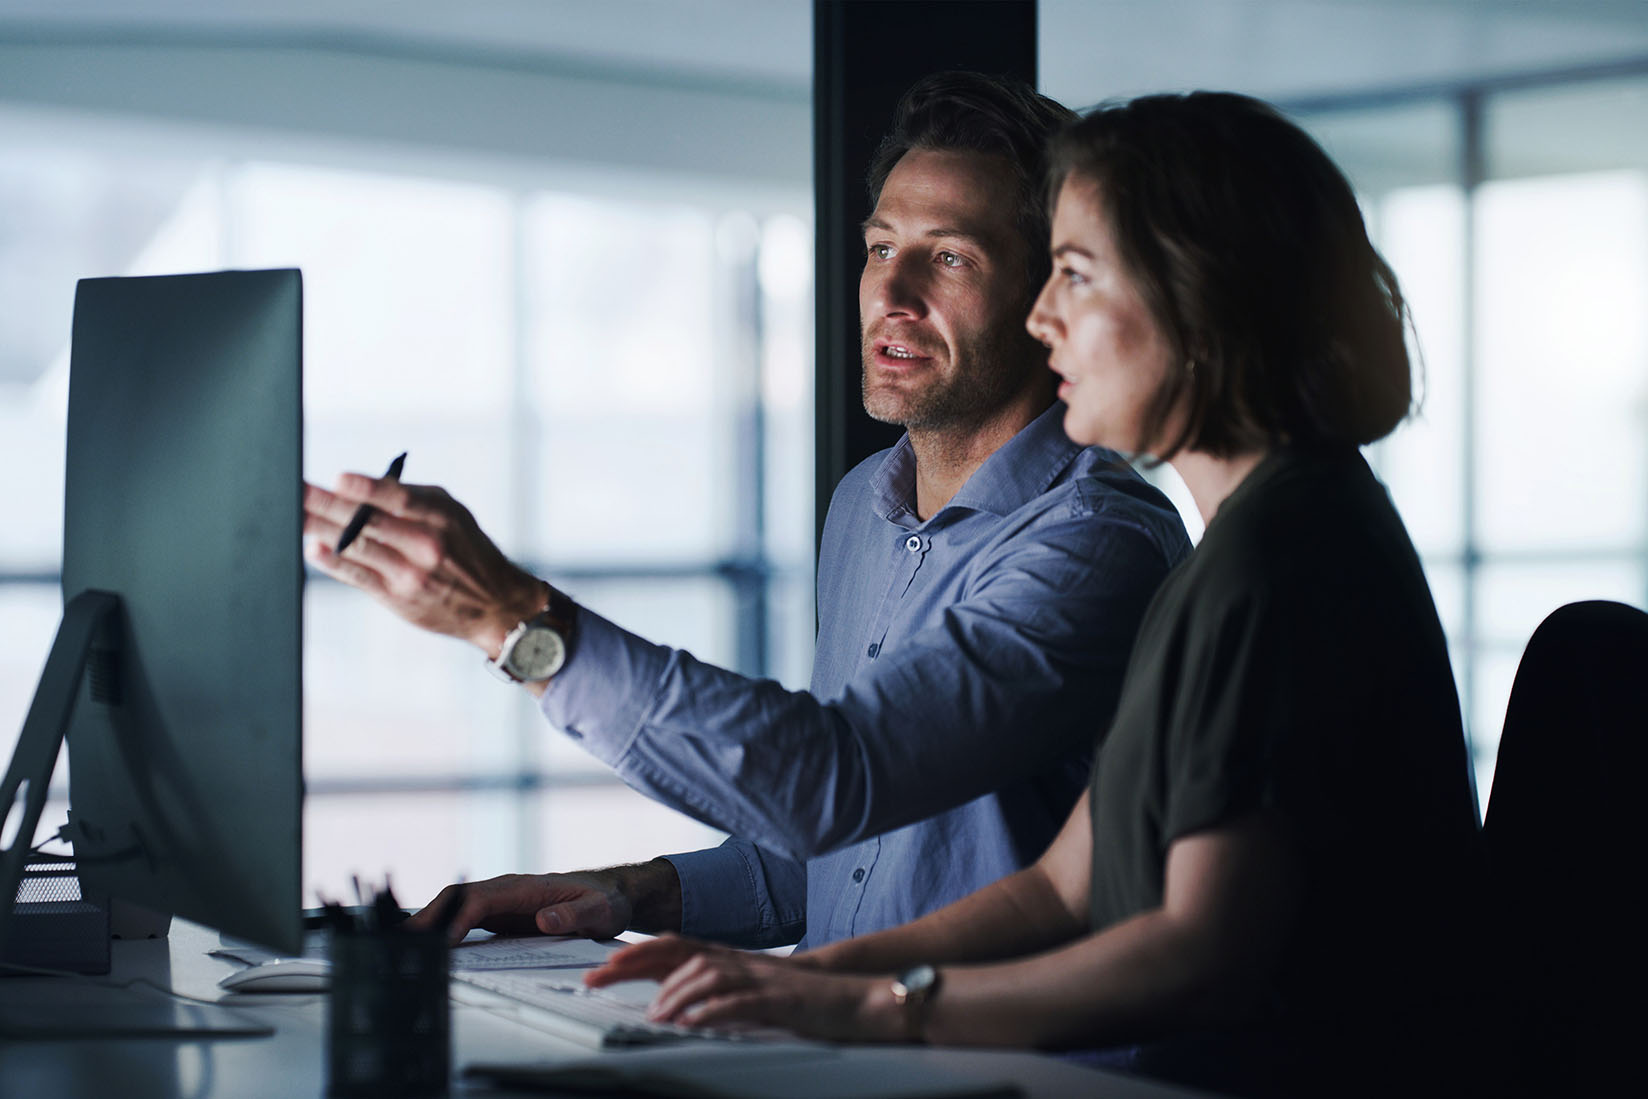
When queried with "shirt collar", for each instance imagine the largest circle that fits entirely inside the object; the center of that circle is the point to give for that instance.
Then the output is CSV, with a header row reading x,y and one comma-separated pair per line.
x,y
1022,469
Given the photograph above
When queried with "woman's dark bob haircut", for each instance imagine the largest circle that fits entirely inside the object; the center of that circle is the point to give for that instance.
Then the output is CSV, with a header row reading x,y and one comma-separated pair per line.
x,y
1248,246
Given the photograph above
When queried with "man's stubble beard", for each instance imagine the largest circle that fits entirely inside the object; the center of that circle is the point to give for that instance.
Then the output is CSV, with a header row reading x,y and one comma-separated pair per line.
x,y
982,382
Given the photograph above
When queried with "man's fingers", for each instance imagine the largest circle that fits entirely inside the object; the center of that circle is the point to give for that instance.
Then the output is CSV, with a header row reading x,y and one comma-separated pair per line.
x,y
321,504
590,915
435,567
382,493
376,566
388,498
424,918
346,569
326,514
321,528
419,538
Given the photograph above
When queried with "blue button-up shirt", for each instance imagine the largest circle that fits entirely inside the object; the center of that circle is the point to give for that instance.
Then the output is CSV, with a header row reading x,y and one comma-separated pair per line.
x,y
965,667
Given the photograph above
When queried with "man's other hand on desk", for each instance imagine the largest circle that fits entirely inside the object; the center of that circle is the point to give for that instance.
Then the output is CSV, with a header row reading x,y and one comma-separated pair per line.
x,y
423,556
595,903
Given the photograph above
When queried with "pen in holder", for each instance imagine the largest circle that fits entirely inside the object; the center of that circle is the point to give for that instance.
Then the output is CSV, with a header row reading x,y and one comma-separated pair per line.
x,y
388,1022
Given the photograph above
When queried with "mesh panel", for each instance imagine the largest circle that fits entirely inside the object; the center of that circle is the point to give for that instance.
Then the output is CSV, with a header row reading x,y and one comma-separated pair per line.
x,y
48,883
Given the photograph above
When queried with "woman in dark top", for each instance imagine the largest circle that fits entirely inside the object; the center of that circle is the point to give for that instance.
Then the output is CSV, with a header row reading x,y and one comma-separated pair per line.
x,y
1257,892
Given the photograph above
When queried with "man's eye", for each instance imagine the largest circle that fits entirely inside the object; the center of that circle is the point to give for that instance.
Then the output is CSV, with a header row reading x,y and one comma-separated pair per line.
x,y
880,251
950,259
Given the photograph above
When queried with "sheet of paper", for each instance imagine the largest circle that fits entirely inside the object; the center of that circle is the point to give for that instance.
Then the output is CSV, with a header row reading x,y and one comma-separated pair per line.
x,y
479,950
533,952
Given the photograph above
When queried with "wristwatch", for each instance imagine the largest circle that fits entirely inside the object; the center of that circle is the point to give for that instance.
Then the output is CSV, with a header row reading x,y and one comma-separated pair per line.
x,y
538,647
913,990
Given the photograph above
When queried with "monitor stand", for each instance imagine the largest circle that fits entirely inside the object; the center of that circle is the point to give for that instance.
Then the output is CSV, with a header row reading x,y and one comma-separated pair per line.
x,y
78,1009
87,618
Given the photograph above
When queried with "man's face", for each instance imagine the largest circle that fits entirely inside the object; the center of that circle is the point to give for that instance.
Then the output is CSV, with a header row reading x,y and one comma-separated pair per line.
x,y
943,298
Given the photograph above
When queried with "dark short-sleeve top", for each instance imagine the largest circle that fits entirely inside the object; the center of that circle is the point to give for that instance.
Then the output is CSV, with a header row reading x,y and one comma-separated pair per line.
x,y
1295,663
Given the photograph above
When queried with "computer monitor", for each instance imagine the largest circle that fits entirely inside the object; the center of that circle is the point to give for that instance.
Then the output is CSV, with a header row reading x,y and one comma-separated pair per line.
x,y
183,502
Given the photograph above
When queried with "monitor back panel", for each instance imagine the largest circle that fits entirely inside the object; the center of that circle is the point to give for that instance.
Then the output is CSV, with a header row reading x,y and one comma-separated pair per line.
x,y
184,497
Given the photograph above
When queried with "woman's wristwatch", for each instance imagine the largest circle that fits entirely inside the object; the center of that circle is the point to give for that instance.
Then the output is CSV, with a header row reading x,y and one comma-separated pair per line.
x,y
913,991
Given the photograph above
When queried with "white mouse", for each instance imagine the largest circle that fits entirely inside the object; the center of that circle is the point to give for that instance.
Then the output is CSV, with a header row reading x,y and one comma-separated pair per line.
x,y
282,975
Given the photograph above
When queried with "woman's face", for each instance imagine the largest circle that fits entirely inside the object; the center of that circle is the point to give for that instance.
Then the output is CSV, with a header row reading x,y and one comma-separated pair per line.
x,y
1105,345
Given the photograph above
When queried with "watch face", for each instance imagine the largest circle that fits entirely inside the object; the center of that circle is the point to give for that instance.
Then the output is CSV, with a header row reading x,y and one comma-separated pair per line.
x,y
538,654
914,984
918,980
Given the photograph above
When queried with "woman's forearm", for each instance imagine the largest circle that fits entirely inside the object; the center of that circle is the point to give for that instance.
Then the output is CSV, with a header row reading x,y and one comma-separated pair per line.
x,y
1206,956
1036,909
1020,914
1128,983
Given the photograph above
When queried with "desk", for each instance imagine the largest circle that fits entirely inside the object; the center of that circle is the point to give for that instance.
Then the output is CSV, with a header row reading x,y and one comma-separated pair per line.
x,y
293,1063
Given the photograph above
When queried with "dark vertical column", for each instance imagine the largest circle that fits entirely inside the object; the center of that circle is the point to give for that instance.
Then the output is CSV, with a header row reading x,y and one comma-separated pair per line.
x,y
1472,171
865,54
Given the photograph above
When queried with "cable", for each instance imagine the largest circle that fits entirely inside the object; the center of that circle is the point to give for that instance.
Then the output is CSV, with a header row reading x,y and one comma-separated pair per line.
x,y
39,854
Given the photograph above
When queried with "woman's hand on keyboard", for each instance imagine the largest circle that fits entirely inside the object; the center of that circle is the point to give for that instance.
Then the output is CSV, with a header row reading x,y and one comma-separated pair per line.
x,y
707,985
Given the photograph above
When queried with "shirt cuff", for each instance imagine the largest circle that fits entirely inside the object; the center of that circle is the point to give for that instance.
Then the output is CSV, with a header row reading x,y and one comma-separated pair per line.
x,y
718,895
601,695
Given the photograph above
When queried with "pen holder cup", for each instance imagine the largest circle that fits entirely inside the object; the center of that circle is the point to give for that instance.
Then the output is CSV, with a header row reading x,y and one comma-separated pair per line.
x,y
388,1023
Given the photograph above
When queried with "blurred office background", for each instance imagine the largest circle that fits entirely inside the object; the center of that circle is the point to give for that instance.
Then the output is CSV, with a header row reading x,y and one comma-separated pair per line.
x,y
561,252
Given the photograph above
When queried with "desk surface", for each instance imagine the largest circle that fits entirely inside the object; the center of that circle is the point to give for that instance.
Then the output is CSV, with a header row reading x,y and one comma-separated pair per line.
x,y
292,1062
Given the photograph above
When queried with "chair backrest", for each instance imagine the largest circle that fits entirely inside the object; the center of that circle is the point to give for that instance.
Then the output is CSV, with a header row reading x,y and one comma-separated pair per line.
x,y
1563,846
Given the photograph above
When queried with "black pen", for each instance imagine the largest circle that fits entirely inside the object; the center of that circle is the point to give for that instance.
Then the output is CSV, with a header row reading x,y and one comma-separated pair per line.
x,y
386,910
363,514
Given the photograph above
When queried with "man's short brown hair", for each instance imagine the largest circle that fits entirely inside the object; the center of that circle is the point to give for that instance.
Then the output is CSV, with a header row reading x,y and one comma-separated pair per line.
x,y
997,116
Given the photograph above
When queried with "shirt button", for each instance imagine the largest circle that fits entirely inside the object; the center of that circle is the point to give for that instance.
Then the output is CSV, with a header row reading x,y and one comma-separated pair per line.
x,y
913,543
873,649
858,875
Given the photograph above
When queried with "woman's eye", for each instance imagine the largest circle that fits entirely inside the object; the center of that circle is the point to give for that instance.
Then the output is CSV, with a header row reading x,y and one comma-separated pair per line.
x,y
950,259
881,251
1073,277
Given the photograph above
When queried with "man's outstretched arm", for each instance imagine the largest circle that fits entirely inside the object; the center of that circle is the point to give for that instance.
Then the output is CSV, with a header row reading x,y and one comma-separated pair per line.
x,y
1020,674
1014,680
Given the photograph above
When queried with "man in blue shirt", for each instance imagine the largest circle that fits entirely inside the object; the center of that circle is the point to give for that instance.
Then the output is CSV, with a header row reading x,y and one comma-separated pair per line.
x,y
979,587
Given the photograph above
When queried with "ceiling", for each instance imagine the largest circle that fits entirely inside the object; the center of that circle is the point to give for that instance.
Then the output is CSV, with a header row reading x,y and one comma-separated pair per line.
x,y
573,86
1091,49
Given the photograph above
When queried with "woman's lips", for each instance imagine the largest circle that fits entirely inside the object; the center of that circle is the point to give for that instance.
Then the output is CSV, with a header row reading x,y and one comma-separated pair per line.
x,y
1066,383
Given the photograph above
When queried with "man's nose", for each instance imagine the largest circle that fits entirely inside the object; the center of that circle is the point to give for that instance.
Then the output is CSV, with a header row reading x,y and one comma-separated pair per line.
x,y
896,289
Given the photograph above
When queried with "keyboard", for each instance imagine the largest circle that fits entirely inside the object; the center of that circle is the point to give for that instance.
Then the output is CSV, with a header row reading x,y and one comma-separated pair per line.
x,y
588,1017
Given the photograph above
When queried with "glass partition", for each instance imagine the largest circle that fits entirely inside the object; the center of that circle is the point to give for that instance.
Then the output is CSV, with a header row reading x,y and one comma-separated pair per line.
x,y
618,387
1516,217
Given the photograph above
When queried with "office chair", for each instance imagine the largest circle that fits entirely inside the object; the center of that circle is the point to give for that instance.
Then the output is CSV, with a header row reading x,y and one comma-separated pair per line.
x,y
1562,852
